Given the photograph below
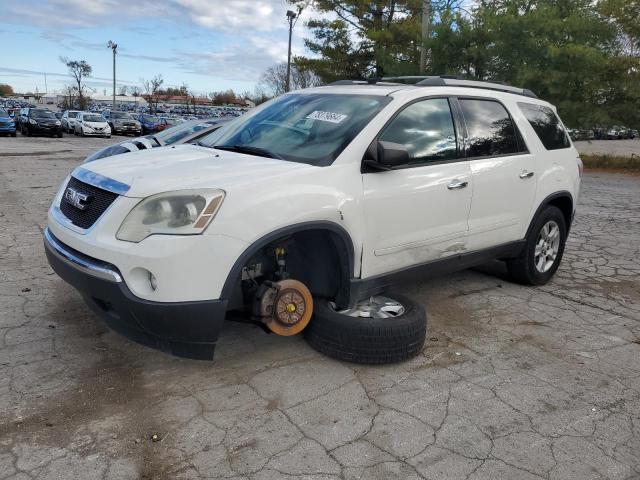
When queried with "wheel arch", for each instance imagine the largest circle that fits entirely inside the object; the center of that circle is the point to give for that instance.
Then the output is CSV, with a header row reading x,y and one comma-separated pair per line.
x,y
562,200
341,242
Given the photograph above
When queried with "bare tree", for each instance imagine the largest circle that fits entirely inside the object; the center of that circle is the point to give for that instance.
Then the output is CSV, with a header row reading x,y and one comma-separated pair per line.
x,y
274,79
123,89
69,97
79,70
152,90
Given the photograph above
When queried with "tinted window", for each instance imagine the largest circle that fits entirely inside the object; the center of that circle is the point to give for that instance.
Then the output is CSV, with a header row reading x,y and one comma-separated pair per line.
x,y
490,129
3,113
426,129
120,115
42,114
546,125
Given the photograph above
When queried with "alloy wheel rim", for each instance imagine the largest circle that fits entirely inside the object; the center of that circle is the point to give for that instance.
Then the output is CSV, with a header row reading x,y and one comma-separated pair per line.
x,y
375,307
547,247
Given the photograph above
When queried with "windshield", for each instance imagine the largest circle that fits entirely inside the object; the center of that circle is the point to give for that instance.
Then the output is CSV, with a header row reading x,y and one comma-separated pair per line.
x,y
121,115
174,134
93,118
308,128
150,119
3,113
42,114
73,114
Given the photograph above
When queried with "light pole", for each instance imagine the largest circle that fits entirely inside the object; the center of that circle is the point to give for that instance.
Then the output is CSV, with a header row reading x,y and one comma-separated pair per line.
x,y
114,47
291,15
426,23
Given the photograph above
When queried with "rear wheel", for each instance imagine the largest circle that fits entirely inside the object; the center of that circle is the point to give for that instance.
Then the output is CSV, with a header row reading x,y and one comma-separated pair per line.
x,y
543,249
380,329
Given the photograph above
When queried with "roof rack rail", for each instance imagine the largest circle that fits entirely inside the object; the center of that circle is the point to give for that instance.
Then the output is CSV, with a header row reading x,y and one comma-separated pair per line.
x,y
440,81
447,81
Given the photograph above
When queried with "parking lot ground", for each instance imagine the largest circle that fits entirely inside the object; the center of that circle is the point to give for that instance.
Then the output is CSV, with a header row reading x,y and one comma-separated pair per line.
x,y
514,382
614,148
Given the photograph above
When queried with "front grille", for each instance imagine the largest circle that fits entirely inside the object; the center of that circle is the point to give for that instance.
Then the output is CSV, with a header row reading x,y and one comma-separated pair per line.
x,y
99,200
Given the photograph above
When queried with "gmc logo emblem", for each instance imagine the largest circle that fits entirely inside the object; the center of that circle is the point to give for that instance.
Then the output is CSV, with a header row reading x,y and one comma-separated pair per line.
x,y
75,198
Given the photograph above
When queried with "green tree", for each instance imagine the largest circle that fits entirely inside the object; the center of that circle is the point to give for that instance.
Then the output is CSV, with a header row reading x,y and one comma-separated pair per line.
x,y
366,38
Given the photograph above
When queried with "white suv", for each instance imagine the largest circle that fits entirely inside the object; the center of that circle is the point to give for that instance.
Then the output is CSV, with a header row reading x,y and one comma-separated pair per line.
x,y
312,205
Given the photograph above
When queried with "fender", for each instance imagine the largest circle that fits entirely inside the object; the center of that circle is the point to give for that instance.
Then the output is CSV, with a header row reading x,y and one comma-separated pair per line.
x,y
345,251
547,201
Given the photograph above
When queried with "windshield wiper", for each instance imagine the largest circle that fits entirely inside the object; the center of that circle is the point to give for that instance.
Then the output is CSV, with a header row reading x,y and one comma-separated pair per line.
x,y
248,149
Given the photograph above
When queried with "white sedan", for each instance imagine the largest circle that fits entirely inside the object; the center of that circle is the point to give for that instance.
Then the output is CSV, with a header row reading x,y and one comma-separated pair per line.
x,y
93,124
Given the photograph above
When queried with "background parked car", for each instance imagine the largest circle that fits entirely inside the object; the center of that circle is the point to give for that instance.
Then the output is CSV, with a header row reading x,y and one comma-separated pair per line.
x,y
69,120
187,132
7,124
149,123
35,121
93,124
122,123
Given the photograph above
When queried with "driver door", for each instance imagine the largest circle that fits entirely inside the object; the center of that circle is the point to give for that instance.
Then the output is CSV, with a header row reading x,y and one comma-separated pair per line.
x,y
418,212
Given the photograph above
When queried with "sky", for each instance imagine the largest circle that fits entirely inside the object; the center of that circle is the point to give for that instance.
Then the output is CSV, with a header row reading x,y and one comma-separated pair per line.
x,y
210,45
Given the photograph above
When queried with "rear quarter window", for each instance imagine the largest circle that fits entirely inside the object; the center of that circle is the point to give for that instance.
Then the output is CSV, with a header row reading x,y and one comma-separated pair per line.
x,y
547,126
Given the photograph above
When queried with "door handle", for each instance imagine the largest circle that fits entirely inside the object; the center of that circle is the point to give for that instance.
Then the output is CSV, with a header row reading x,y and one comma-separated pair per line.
x,y
456,184
526,174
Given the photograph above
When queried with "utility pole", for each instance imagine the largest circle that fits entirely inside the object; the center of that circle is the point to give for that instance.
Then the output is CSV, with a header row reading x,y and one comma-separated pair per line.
x,y
291,15
114,47
426,23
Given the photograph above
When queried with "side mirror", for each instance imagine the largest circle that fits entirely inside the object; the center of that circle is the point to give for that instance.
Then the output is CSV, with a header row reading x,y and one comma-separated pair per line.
x,y
383,155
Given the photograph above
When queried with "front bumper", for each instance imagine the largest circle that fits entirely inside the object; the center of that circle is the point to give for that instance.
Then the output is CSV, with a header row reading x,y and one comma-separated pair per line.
x,y
185,329
7,127
94,133
46,129
127,129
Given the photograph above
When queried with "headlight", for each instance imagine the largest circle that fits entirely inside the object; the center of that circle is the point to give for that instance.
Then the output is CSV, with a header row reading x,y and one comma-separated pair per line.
x,y
32,121
57,123
183,212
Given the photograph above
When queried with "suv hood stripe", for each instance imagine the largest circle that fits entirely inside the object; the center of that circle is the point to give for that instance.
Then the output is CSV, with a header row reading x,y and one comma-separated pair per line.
x,y
100,181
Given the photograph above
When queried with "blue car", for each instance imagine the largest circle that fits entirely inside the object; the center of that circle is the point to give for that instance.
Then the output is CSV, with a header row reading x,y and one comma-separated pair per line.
x,y
150,123
7,125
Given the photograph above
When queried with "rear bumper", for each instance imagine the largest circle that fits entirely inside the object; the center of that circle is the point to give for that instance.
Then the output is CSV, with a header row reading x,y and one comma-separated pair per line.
x,y
185,329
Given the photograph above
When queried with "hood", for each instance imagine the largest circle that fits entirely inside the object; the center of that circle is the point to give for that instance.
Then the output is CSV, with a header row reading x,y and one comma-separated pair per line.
x,y
95,124
163,169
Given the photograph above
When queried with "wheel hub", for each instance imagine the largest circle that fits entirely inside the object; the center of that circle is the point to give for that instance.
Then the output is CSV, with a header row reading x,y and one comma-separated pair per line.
x,y
375,307
547,246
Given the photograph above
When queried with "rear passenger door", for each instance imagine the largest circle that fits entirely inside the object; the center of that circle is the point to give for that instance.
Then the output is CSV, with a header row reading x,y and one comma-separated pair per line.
x,y
502,171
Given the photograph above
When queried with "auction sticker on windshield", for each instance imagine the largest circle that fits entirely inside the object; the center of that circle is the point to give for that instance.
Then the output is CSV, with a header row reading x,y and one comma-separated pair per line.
x,y
327,116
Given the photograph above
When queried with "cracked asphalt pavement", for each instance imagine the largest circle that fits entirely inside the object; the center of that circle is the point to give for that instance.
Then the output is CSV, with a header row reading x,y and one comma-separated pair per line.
x,y
514,382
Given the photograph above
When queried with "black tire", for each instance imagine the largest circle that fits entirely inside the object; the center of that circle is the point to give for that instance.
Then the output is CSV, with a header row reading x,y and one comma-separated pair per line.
x,y
522,269
13,134
367,340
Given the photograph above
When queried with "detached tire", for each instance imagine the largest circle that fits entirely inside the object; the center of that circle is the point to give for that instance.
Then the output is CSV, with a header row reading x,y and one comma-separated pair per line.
x,y
366,339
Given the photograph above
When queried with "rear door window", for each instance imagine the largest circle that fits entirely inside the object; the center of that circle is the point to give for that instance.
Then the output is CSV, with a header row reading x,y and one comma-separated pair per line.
x,y
490,130
547,126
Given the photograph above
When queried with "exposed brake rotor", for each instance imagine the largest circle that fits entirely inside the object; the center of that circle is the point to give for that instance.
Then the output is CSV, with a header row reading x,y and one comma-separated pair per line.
x,y
286,307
